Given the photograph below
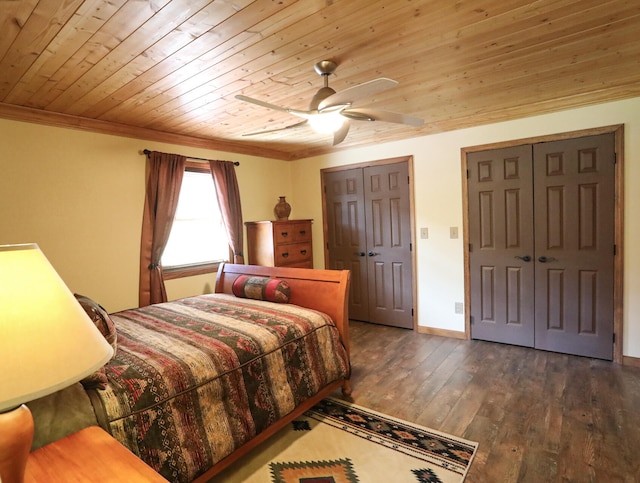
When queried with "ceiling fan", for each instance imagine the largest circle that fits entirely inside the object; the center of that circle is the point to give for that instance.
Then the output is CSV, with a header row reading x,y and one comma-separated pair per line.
x,y
330,111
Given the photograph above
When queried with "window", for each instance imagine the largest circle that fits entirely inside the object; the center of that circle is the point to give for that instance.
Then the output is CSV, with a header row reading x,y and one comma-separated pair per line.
x,y
198,239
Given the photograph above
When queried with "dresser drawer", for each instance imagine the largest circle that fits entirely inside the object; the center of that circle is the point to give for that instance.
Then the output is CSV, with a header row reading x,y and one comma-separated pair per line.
x,y
293,253
292,233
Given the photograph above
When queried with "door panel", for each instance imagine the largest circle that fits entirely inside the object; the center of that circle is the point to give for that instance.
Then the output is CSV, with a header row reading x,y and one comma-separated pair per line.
x,y
500,230
344,198
386,194
575,191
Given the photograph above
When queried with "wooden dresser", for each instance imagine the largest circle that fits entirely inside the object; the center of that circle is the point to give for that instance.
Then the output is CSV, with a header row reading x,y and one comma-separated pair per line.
x,y
280,243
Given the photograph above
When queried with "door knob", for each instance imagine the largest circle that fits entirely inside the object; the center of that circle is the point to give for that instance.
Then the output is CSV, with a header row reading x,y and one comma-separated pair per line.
x,y
360,254
544,259
373,254
525,258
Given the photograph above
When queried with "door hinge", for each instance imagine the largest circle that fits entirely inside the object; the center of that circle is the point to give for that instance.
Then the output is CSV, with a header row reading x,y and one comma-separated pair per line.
x,y
410,247
613,337
467,174
615,250
411,311
471,319
470,246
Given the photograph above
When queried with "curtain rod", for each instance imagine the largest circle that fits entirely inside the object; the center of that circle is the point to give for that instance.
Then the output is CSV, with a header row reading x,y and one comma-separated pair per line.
x,y
235,163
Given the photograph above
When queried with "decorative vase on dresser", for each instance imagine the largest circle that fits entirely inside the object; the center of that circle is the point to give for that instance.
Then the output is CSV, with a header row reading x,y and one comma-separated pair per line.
x,y
282,209
280,243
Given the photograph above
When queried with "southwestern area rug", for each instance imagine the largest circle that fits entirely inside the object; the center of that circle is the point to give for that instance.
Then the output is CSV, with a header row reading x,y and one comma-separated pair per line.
x,y
338,442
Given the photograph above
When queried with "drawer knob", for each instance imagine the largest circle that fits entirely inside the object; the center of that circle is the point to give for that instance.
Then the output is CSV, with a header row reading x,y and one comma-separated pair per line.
x,y
284,233
303,232
285,254
303,252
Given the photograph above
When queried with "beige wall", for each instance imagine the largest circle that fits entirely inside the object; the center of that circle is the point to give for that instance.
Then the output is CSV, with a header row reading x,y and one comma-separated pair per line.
x,y
79,195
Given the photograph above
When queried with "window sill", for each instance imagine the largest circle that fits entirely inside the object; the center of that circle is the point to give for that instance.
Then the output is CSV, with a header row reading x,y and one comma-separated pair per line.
x,y
171,273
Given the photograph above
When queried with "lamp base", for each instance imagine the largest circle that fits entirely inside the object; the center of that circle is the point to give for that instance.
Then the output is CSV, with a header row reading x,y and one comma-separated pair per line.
x,y
16,436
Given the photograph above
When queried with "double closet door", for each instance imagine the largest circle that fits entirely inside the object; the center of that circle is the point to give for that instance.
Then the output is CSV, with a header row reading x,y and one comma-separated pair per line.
x,y
368,232
541,251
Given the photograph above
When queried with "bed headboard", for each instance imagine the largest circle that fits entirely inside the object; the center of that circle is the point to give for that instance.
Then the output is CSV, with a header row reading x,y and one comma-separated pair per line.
x,y
323,290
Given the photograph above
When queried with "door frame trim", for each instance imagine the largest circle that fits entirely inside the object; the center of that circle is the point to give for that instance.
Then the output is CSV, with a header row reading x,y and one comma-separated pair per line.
x,y
400,159
618,268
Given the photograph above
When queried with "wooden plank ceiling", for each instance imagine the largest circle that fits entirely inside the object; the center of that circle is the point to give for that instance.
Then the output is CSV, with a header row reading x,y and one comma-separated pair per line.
x,y
169,69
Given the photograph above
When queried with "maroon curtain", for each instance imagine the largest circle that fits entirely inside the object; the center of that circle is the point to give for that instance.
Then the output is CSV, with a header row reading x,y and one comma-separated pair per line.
x,y
163,189
228,194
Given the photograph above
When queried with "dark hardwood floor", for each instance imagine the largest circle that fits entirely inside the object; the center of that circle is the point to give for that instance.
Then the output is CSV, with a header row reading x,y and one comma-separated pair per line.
x,y
537,416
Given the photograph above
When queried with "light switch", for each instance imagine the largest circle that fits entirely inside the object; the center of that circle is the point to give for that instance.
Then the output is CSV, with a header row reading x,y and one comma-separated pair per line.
x,y
424,232
453,232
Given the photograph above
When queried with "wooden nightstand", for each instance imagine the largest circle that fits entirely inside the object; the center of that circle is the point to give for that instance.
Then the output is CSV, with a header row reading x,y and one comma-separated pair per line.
x,y
88,455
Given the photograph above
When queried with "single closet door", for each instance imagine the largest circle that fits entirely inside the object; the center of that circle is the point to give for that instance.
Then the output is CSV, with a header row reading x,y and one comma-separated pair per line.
x,y
346,234
369,233
574,242
541,252
501,238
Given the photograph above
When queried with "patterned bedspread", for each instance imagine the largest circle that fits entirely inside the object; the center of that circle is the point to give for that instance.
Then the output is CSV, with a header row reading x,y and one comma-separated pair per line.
x,y
194,379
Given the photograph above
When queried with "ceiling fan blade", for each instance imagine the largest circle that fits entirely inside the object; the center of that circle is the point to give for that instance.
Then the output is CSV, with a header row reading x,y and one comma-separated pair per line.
x,y
258,102
371,114
298,124
261,103
341,133
355,93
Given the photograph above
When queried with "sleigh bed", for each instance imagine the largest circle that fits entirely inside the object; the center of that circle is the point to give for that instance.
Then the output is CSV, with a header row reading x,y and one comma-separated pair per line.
x,y
196,383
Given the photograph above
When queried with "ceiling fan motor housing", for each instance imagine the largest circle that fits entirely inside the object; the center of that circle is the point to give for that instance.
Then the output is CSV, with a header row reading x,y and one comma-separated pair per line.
x,y
320,96
325,67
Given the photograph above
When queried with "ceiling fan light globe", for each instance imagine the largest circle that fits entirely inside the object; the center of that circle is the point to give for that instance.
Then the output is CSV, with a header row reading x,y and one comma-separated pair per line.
x,y
326,123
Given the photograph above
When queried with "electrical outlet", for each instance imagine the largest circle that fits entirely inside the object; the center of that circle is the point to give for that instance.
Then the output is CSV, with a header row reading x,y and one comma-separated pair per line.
x,y
459,308
453,232
424,232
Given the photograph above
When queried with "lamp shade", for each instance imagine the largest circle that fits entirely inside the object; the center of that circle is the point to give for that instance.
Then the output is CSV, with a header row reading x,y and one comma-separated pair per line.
x,y
47,341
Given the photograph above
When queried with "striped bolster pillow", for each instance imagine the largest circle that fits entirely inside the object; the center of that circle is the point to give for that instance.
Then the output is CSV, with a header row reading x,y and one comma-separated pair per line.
x,y
261,288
